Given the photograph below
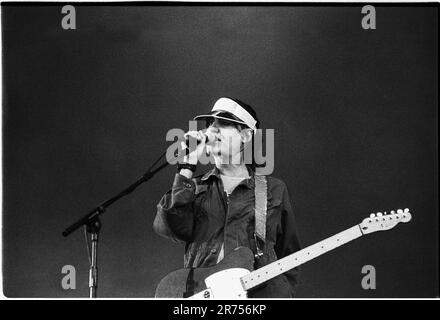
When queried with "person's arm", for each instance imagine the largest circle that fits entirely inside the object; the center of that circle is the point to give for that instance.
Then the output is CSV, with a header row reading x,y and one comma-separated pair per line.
x,y
288,240
175,211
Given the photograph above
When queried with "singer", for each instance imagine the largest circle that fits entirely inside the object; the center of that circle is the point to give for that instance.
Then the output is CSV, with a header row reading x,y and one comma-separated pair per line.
x,y
216,212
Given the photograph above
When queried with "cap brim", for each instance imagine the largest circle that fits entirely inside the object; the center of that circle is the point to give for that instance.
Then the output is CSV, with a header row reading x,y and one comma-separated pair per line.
x,y
223,115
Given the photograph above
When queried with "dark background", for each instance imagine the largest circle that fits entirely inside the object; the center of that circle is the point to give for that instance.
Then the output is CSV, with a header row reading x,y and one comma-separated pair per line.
x,y
86,111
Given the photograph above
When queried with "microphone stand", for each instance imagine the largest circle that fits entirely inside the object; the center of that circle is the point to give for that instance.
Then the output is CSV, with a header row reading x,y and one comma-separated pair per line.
x,y
92,223
93,229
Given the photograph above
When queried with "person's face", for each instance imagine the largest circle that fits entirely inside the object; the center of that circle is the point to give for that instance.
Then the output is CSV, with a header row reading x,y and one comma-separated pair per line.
x,y
227,146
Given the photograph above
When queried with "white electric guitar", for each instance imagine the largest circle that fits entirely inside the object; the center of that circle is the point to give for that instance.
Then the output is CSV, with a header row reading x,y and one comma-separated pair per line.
x,y
234,275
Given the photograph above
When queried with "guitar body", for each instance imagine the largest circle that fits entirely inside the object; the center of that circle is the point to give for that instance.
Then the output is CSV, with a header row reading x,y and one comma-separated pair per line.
x,y
221,281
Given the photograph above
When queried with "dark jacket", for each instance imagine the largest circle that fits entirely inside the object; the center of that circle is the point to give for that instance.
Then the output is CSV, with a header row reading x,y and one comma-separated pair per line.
x,y
199,213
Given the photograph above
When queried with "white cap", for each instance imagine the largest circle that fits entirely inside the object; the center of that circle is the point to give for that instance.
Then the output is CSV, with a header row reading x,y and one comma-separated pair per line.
x,y
223,106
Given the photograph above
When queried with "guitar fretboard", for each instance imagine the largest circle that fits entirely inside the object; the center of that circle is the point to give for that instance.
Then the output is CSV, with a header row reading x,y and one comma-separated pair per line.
x,y
289,262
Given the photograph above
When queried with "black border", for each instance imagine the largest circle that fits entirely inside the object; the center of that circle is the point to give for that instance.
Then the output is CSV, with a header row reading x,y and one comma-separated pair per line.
x,y
222,4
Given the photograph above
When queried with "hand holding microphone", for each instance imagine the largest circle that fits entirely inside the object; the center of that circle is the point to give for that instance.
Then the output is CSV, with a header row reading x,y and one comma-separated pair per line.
x,y
195,142
199,137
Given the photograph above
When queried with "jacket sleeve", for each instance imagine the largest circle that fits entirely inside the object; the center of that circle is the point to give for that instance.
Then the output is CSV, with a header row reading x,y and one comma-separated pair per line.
x,y
175,212
288,240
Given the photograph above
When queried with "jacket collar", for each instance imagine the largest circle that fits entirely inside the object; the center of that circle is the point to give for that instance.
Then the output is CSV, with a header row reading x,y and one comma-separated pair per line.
x,y
215,172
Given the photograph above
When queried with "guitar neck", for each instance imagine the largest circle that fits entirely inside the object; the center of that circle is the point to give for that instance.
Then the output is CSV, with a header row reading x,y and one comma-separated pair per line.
x,y
289,262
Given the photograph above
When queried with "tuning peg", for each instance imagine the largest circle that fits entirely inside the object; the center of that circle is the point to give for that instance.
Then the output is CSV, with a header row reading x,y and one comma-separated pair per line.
x,y
372,215
406,210
379,214
400,211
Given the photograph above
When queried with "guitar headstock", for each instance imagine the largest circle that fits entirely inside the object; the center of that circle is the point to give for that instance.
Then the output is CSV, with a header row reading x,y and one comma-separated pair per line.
x,y
383,221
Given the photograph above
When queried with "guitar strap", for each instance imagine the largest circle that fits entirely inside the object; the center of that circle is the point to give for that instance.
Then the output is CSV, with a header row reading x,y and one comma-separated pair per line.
x,y
190,284
260,211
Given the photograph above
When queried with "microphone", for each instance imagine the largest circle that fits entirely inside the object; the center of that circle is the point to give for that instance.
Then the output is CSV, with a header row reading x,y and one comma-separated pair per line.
x,y
210,138
190,143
